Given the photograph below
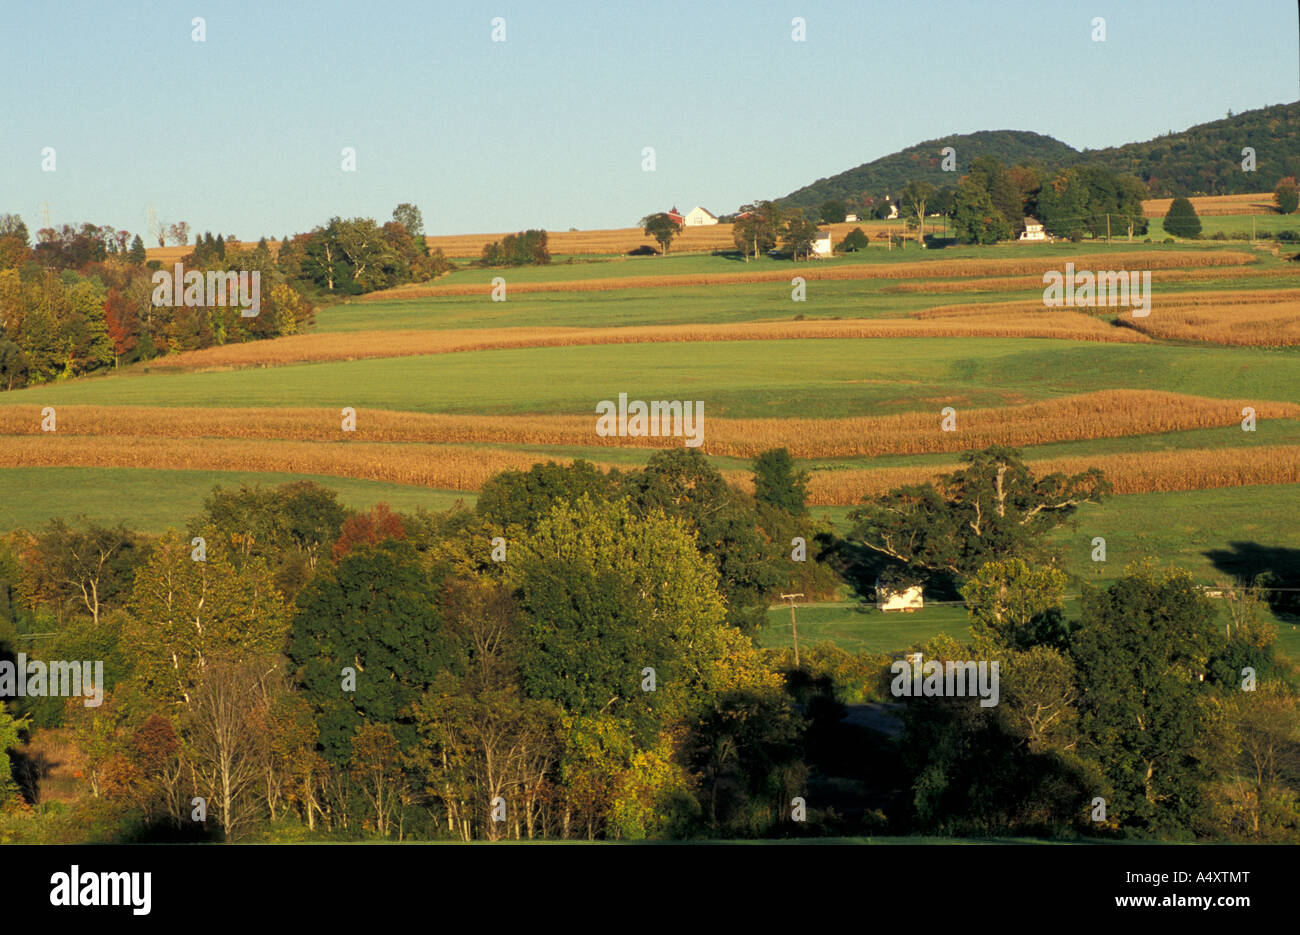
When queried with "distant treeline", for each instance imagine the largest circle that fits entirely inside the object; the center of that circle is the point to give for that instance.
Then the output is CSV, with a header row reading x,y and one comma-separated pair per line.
x,y
82,298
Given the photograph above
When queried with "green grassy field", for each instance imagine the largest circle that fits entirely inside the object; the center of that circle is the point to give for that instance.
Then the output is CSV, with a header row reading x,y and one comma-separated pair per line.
x,y
1233,224
811,377
153,500
862,628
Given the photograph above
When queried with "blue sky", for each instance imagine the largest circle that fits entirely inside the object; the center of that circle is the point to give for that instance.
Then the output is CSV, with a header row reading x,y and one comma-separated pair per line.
x,y
242,133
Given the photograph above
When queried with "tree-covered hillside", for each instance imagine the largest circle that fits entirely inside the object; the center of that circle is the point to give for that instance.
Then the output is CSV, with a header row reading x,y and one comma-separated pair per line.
x,y
923,162
1202,160
1207,159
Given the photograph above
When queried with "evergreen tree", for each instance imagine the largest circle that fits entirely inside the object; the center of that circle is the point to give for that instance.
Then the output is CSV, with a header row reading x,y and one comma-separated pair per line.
x,y
1181,219
776,482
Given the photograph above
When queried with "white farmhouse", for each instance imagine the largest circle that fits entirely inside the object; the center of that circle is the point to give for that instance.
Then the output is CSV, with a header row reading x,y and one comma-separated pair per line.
x,y
905,599
698,217
821,245
850,218
1033,230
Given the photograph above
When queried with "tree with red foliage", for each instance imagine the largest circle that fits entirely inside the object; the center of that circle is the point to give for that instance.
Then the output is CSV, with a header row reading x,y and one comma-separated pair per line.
x,y
370,528
121,324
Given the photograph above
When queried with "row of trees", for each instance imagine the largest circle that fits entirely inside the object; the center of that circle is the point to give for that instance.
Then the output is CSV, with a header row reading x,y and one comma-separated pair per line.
x,y
526,248
58,321
81,299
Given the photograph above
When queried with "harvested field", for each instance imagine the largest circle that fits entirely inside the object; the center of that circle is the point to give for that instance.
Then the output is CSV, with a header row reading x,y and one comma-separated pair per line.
x,y
1215,205
355,345
1106,414
610,241
926,269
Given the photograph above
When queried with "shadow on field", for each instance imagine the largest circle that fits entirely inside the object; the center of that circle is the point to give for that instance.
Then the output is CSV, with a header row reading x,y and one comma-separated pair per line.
x,y
1270,566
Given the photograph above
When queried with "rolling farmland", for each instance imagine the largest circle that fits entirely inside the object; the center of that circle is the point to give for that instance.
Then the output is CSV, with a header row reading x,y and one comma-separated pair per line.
x,y
451,388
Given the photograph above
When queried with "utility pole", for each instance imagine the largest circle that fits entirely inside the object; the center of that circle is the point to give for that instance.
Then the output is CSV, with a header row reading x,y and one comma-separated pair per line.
x,y
794,628
1108,227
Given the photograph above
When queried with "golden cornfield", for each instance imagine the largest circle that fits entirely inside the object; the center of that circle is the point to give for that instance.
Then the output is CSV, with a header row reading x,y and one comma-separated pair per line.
x,y
466,469
1104,414
1145,472
1256,324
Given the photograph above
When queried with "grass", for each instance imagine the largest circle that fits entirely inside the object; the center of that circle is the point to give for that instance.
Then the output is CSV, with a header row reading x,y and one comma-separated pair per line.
x,y
862,628
743,379
153,500
1233,224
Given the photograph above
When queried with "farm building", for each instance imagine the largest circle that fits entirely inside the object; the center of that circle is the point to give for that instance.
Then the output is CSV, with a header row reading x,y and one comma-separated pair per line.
x,y
698,217
1033,230
821,245
675,216
850,218
905,599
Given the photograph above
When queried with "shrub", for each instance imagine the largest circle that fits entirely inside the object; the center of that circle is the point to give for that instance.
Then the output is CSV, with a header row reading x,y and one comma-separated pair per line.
x,y
853,241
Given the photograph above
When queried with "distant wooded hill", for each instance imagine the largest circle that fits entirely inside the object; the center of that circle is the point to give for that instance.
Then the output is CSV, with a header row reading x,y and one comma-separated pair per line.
x,y
1201,160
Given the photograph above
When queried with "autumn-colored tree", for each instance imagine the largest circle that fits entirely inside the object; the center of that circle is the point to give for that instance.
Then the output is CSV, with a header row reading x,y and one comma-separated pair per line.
x,y
122,324
376,525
